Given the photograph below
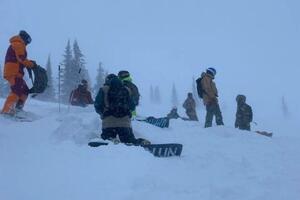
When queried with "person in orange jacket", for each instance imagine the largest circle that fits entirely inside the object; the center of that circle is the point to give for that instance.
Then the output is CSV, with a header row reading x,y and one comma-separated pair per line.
x,y
15,62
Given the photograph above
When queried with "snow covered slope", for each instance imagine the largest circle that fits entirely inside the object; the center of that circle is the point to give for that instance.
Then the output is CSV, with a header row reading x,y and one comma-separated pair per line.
x,y
48,159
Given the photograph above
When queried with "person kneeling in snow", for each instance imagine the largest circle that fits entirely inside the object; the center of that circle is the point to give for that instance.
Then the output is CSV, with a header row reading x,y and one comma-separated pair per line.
x,y
114,104
81,96
173,114
190,107
243,114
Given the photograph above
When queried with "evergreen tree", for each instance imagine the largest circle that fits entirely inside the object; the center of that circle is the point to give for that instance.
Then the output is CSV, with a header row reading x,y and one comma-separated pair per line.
x,y
49,94
79,63
174,98
152,98
68,80
284,107
157,98
100,78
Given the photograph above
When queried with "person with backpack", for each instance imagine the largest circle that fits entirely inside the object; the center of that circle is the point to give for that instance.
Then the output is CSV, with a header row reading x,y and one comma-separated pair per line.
x,y
81,96
15,62
244,114
114,104
127,81
207,90
190,107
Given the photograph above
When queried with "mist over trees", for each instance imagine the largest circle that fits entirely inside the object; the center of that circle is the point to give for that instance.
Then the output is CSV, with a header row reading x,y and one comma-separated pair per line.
x,y
100,78
156,95
49,93
73,70
284,108
174,97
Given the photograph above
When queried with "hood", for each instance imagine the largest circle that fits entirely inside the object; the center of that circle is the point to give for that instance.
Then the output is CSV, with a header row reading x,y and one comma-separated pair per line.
x,y
206,74
16,39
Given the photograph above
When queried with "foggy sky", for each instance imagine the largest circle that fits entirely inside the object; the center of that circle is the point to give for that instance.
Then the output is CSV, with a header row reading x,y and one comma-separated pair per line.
x,y
253,44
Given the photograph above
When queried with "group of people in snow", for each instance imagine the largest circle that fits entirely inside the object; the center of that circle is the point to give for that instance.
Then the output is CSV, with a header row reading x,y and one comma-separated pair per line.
x,y
207,90
116,101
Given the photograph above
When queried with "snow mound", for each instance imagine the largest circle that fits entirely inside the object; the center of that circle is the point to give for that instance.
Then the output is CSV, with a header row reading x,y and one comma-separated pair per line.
x,y
49,159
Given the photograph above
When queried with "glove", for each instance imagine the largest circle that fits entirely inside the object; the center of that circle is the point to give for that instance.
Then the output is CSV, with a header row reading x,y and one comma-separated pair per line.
x,y
33,63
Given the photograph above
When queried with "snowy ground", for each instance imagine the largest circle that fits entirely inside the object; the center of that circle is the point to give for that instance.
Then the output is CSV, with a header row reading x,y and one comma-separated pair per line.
x,y
48,159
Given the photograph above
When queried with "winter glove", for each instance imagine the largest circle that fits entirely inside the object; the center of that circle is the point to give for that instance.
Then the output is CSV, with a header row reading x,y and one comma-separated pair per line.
x,y
33,63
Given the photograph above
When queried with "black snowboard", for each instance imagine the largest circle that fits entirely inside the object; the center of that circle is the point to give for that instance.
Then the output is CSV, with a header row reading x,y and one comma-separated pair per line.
x,y
164,150
158,150
268,134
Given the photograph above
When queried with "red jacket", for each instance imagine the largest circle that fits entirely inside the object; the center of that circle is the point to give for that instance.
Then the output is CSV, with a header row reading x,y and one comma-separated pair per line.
x,y
81,97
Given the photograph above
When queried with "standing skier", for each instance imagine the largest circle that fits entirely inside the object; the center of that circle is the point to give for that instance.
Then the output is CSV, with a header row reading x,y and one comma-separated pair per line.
x,y
127,81
243,114
190,107
15,62
210,97
114,104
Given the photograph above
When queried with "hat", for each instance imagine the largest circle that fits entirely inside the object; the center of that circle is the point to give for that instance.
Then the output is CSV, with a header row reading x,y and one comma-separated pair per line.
x,y
25,37
123,74
211,71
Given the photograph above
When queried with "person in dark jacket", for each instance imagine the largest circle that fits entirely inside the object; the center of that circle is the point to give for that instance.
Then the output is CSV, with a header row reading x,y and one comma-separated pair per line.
x,y
114,104
190,107
127,81
244,114
81,96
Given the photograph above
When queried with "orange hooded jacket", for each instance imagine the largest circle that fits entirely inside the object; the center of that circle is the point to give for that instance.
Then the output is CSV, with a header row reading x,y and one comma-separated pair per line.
x,y
16,58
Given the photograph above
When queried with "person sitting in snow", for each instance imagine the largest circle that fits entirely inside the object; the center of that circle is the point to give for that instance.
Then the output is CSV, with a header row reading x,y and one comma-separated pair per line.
x,y
190,107
244,114
81,96
114,104
173,114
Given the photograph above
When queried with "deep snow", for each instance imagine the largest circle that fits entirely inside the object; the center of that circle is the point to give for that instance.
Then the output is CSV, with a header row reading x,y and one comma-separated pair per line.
x,y
49,159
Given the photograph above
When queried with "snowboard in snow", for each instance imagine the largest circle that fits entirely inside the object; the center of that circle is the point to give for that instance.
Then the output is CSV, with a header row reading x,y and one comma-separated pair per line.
x,y
158,150
164,150
264,133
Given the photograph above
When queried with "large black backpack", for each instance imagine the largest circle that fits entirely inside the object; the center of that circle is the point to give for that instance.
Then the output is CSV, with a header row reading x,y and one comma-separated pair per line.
x,y
40,79
200,90
118,99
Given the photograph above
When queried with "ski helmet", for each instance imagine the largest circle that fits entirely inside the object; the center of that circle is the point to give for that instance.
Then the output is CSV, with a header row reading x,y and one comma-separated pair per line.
x,y
25,37
123,74
211,71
